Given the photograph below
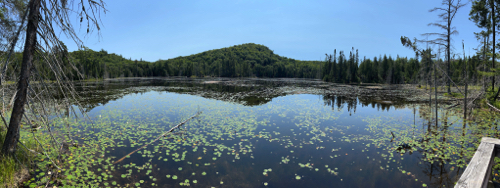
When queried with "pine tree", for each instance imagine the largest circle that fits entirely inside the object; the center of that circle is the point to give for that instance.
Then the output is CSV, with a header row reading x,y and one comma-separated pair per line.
x,y
485,14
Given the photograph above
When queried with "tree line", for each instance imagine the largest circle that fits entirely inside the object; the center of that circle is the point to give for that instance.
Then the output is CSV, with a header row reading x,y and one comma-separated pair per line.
x,y
246,60
253,60
388,70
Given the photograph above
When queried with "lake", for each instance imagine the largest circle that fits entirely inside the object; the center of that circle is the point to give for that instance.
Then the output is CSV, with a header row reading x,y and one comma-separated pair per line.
x,y
262,133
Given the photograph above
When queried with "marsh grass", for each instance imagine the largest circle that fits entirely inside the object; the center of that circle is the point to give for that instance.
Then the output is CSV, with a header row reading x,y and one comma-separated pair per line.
x,y
12,173
92,80
453,88
9,168
456,95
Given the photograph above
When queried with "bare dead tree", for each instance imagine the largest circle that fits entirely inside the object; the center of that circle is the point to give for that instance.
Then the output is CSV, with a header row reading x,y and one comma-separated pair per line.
x,y
447,14
34,99
465,80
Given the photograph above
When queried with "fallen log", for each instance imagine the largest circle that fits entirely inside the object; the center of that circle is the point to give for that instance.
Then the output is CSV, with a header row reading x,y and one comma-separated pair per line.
x,y
447,108
492,107
163,135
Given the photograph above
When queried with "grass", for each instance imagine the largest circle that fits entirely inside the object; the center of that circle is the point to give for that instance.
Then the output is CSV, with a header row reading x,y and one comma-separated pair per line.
x,y
9,82
456,95
494,103
16,170
427,87
9,168
453,88
12,173
92,79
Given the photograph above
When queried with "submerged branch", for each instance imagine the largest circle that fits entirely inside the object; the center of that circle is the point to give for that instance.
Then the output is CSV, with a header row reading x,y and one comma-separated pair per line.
x,y
461,101
163,135
46,154
449,107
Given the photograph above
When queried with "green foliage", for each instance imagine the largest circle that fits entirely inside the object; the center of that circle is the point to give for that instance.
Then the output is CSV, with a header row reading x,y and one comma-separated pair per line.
x,y
491,92
253,60
246,60
381,70
8,164
453,146
15,168
489,96
9,168
480,13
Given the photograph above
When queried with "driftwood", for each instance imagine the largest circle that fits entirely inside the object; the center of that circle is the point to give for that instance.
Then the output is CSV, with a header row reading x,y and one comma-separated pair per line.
x,y
163,135
461,100
4,121
492,107
470,103
452,106
12,99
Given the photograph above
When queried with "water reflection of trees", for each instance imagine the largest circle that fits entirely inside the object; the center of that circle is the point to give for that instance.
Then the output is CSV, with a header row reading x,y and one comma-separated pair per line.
x,y
441,169
93,94
245,91
438,144
351,102
443,147
339,102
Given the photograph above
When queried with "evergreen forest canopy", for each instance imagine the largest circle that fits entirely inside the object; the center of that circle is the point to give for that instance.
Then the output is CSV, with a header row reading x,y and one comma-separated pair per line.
x,y
253,60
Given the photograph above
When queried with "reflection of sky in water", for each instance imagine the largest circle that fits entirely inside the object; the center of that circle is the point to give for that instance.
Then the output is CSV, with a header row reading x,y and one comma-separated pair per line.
x,y
358,165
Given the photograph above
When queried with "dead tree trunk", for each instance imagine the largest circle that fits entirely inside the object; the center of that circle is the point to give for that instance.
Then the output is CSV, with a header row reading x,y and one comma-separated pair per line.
x,y
465,97
493,59
435,92
484,60
12,137
448,29
466,84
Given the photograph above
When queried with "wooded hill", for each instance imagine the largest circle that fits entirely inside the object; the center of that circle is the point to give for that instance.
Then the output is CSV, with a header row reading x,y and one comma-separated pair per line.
x,y
254,60
246,60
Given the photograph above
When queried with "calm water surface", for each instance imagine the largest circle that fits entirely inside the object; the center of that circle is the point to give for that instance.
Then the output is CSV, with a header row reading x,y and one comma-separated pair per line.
x,y
287,139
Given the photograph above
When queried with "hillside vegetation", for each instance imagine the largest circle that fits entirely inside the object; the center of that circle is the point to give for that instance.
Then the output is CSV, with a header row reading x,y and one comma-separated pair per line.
x,y
246,60
254,60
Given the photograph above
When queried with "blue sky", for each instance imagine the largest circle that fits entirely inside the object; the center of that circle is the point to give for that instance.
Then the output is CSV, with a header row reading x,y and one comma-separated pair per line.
x,y
303,30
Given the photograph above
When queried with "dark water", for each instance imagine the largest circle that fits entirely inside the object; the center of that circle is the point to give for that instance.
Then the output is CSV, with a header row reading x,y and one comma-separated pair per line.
x,y
264,133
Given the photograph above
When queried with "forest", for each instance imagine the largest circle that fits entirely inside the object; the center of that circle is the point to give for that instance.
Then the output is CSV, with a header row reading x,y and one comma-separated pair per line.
x,y
254,60
246,60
